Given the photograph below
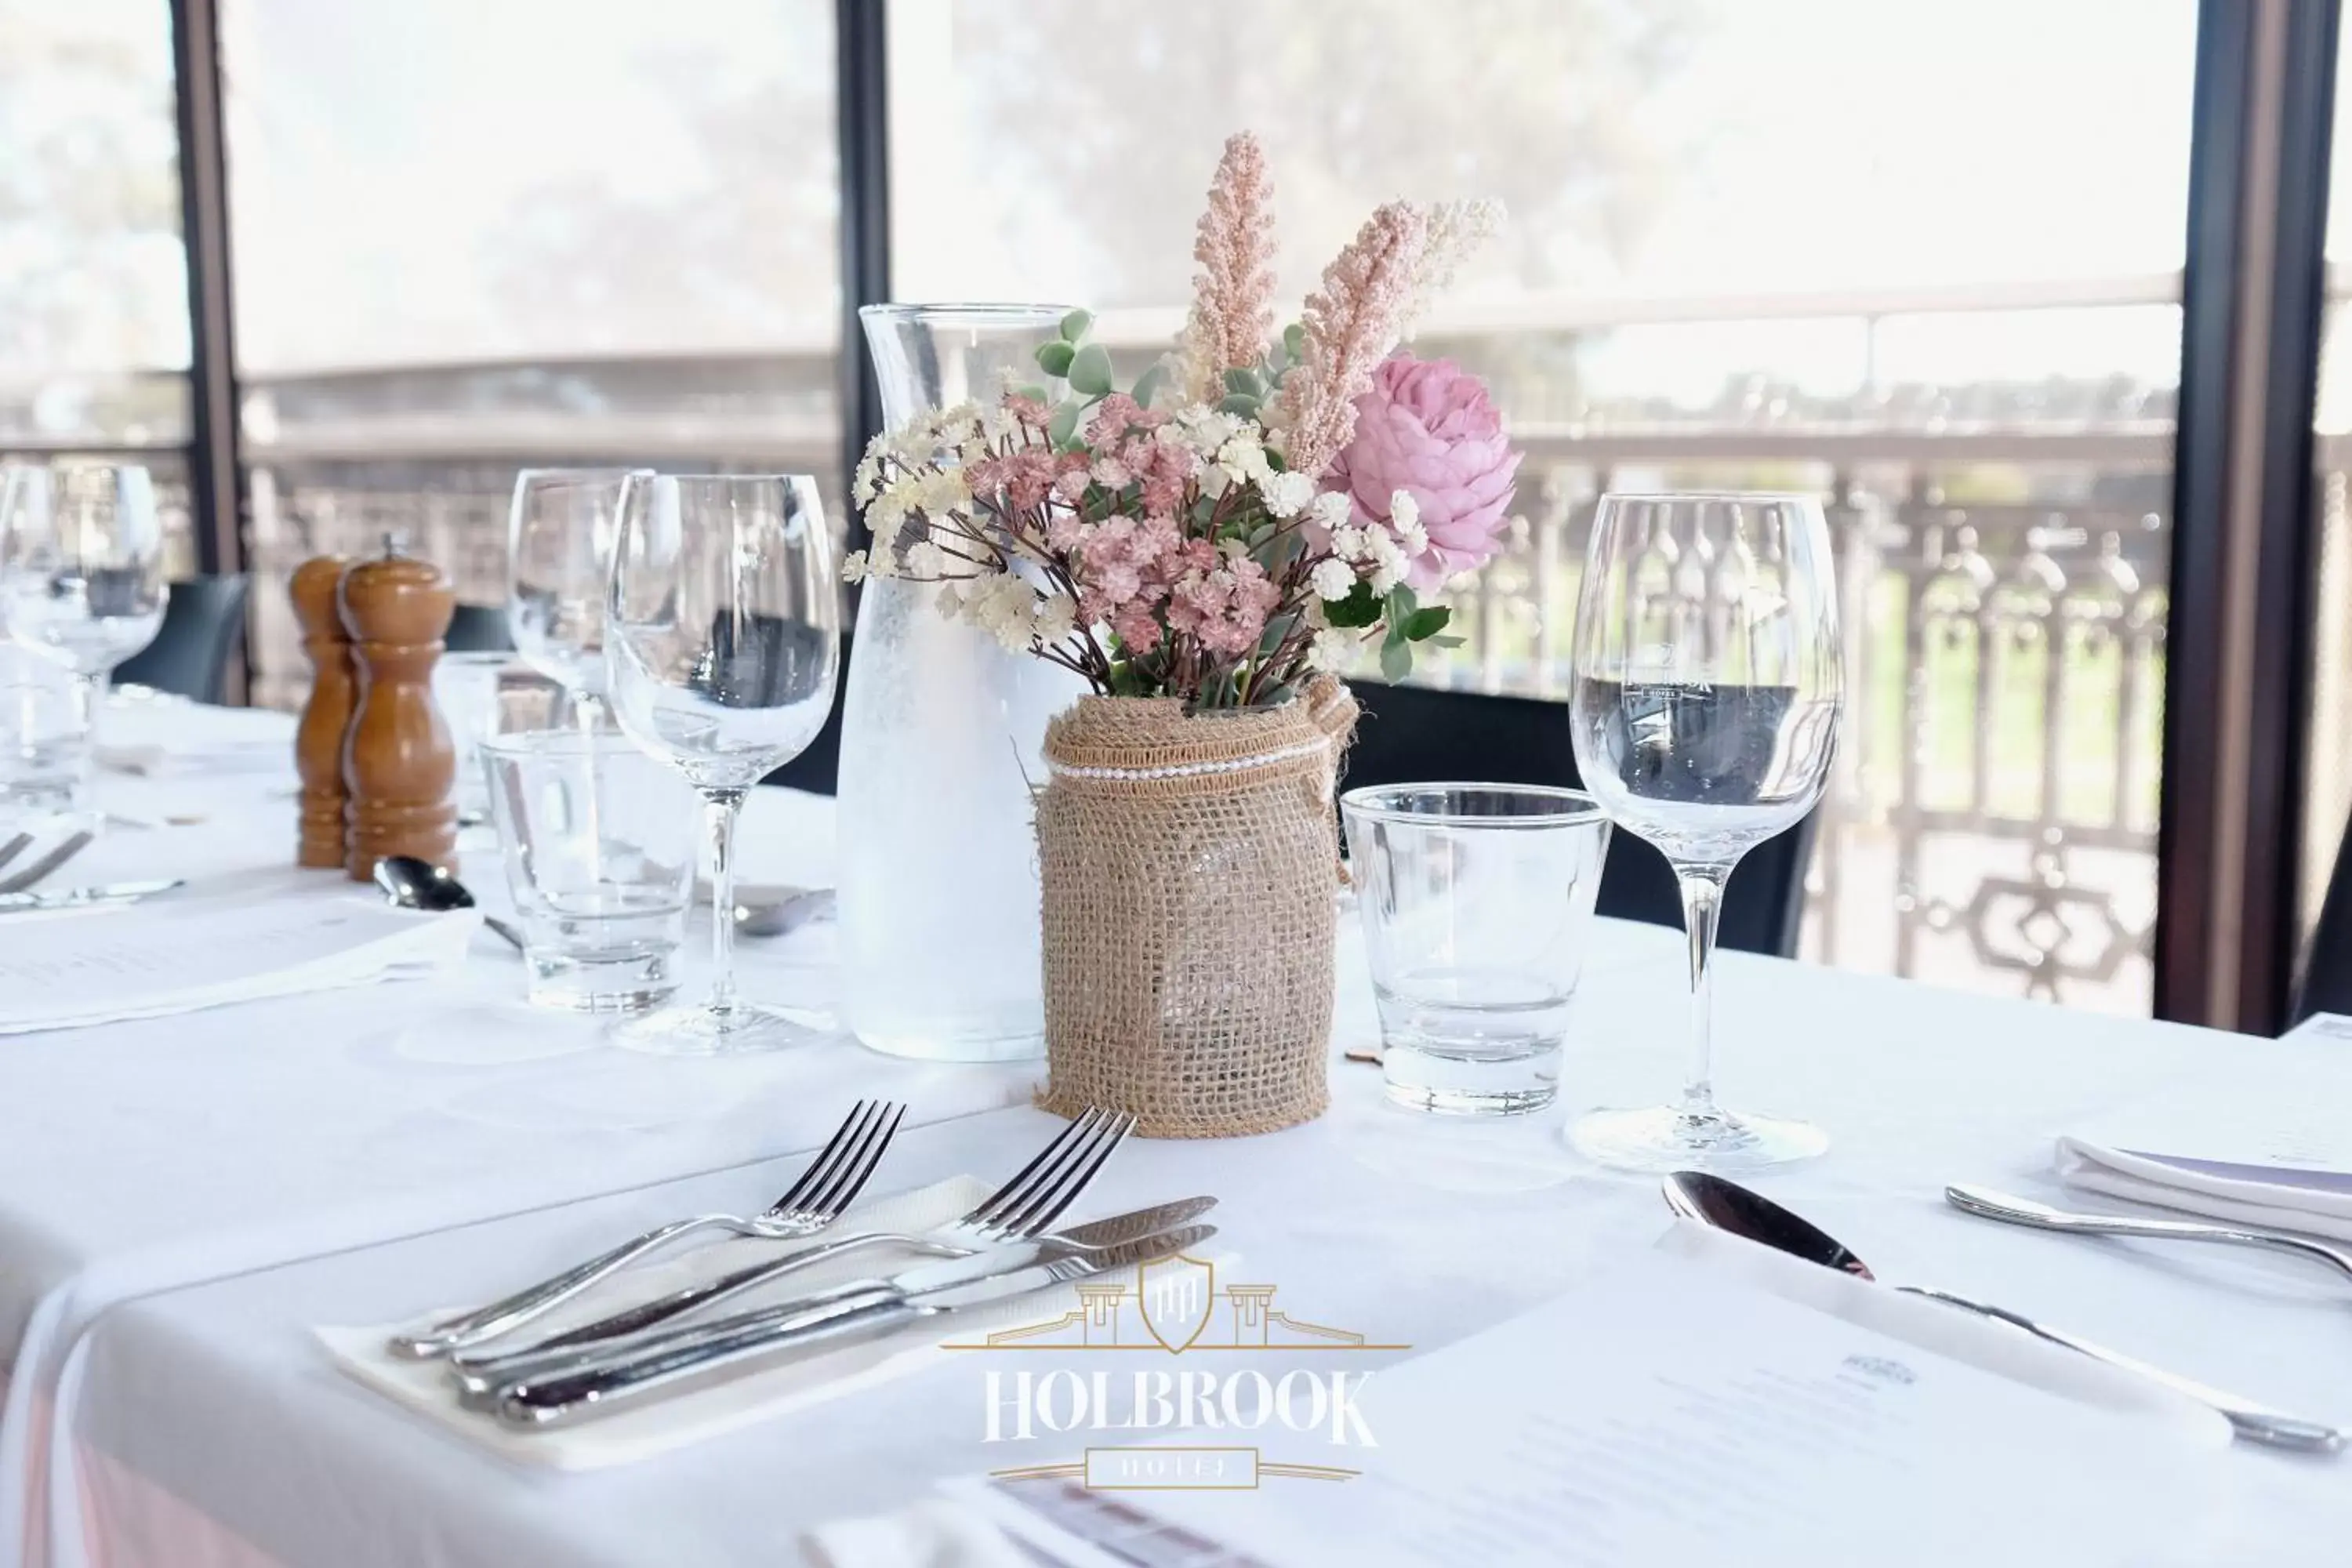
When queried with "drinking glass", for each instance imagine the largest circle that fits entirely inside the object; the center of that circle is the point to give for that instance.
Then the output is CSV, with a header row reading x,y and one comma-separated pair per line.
x,y
598,842
1707,684
466,687
723,644
560,532
1476,900
81,571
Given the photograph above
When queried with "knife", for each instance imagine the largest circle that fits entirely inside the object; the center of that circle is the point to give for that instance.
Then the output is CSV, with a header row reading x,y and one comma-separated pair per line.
x,y
930,1291
77,897
480,1377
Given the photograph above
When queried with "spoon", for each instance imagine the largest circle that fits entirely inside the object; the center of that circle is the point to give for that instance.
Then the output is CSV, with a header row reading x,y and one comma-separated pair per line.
x,y
414,884
1987,1204
1727,1205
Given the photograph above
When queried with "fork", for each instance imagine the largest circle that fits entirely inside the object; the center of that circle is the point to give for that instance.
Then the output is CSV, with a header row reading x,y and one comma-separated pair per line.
x,y
832,1180
67,848
1020,1210
18,843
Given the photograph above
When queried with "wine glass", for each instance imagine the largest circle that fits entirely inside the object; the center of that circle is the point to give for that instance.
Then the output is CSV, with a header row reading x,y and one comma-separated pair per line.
x,y
1705,704
722,645
560,532
81,570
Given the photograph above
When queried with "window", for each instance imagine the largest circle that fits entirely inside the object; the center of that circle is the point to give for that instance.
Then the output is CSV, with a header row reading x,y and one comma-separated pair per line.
x,y
93,281
470,237
1795,245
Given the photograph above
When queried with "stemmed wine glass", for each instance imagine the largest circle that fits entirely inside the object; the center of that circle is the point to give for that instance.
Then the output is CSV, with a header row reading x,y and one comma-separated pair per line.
x,y
1705,704
560,531
81,570
722,644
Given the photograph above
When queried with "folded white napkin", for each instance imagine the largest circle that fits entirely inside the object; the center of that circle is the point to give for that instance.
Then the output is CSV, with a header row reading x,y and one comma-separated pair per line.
x,y
151,960
2214,1146
1946,1330
938,1532
761,1394
2317,1203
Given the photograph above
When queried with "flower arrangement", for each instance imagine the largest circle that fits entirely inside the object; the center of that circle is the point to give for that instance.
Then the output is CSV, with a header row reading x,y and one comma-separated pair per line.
x,y
1255,508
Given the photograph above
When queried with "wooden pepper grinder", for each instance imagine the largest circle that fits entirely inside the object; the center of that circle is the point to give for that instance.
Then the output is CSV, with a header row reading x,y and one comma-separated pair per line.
x,y
318,742
398,763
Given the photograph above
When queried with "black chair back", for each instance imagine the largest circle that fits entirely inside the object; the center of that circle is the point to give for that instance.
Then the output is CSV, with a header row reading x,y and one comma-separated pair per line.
x,y
1412,735
478,628
2327,970
818,769
203,620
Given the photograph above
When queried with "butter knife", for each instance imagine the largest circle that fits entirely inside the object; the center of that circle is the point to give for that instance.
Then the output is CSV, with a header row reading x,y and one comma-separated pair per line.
x,y
78,897
480,1375
927,1291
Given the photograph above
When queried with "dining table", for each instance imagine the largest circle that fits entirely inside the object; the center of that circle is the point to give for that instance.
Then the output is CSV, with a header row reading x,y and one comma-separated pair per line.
x,y
186,1201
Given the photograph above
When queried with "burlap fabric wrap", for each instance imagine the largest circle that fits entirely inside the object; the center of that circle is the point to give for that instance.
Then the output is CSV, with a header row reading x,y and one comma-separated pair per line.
x,y
1189,866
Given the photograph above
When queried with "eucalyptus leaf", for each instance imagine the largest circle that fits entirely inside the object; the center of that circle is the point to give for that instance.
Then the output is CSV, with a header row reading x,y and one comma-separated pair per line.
x,y
1396,660
1090,370
1055,358
1064,426
1076,325
1148,385
1240,404
1032,392
1424,624
1402,604
1242,379
1361,607
1447,641
1294,340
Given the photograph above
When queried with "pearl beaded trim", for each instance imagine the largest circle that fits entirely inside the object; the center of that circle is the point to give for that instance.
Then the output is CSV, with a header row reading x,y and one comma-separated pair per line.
x,y
1192,769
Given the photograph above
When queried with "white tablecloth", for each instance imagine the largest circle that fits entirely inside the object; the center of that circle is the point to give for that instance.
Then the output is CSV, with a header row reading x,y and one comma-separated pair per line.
x,y
141,1156
215,1431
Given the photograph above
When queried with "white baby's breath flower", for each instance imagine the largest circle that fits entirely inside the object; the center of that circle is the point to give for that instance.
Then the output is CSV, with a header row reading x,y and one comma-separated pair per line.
x,y
926,560
1404,510
1332,648
1415,540
1348,542
1056,617
1331,508
1332,578
1212,481
950,601
1244,460
1285,493
1388,561
853,566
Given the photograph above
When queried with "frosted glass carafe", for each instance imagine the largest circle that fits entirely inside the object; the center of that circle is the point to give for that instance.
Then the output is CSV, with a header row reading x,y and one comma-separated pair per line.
x,y
940,737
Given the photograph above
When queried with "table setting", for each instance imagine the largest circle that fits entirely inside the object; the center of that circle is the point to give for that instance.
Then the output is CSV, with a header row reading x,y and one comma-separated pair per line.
x,y
476,1120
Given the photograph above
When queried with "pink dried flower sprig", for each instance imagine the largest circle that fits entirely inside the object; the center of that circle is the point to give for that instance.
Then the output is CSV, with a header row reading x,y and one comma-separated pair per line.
x,y
1287,512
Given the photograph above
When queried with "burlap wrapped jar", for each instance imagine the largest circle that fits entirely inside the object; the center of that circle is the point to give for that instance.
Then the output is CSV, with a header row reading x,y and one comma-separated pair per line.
x,y
1188,864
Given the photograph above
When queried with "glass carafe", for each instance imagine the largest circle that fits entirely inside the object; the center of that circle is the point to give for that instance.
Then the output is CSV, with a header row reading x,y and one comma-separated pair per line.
x,y
941,739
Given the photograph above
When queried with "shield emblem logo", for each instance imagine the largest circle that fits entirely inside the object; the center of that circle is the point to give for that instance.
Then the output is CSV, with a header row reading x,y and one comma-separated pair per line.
x,y
1176,1295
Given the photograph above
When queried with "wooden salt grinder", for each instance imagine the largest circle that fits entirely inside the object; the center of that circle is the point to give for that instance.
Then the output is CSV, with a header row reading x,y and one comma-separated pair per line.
x,y
398,763
318,742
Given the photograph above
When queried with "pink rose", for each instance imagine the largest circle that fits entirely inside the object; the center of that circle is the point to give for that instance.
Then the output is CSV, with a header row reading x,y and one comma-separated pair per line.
x,y
1428,427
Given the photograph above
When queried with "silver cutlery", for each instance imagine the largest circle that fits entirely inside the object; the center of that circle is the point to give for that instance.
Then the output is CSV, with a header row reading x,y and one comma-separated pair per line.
x,y
71,845
1990,1205
414,884
930,1291
78,897
479,1377
18,843
1037,1196
1727,1205
825,1189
